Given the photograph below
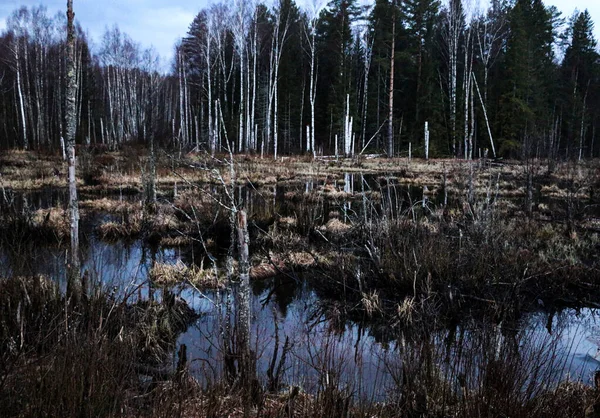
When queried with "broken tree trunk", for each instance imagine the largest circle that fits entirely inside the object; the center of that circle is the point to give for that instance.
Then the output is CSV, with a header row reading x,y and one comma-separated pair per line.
x,y
73,271
246,361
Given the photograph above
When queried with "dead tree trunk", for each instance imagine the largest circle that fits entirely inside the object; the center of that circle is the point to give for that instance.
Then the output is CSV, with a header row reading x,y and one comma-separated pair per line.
x,y
74,277
246,362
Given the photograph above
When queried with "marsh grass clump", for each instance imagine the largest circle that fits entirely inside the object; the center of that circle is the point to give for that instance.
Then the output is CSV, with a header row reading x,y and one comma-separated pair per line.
x,y
167,275
88,360
42,225
110,205
175,241
130,222
158,325
130,226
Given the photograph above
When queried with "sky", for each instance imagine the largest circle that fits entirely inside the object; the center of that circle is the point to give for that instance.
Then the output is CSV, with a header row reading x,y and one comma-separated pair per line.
x,y
160,23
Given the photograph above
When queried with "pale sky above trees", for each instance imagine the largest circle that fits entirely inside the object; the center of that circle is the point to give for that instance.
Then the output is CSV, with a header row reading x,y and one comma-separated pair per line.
x,y
162,22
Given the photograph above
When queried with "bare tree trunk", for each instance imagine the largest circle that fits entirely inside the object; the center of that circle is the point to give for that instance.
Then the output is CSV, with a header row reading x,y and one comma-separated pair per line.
x,y
244,296
279,38
367,67
310,139
453,35
301,130
391,98
20,92
74,276
348,130
426,141
242,124
472,130
254,79
467,83
182,112
275,112
582,130
485,115
150,131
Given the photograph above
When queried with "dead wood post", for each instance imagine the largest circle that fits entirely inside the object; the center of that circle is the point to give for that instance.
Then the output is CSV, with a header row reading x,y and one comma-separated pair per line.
x,y
73,271
244,297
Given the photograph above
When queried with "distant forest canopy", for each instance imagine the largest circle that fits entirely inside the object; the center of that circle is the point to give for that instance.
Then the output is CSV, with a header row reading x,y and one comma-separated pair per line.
x,y
283,80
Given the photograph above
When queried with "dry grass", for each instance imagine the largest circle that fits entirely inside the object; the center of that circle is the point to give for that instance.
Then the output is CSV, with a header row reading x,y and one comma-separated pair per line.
x,y
53,220
117,173
335,227
71,361
176,241
130,227
27,170
107,205
167,275
133,222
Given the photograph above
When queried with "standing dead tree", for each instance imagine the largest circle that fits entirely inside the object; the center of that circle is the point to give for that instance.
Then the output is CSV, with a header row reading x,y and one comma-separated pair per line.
x,y
74,276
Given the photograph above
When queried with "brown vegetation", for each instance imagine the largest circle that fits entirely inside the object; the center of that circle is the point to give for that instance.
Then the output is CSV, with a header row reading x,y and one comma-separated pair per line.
x,y
168,275
405,259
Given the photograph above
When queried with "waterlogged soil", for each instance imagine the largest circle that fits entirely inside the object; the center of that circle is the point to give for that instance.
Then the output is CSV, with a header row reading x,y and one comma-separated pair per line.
x,y
365,356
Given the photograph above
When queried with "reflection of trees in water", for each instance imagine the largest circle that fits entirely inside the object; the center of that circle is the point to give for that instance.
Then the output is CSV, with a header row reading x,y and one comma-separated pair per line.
x,y
281,290
495,361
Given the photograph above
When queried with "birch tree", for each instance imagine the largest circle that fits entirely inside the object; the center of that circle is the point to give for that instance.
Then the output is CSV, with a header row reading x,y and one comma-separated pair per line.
x,y
17,24
280,27
390,150
311,33
74,276
454,26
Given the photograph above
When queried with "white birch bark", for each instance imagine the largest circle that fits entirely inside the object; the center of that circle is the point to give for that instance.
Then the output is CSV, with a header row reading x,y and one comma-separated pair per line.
x,y
74,277
390,150
453,32
25,142
426,141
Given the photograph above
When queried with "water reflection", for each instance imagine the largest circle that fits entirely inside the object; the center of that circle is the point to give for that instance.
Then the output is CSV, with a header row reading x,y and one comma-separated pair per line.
x,y
541,348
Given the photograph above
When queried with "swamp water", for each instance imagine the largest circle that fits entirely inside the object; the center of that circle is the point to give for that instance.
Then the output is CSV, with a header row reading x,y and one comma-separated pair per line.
x,y
323,347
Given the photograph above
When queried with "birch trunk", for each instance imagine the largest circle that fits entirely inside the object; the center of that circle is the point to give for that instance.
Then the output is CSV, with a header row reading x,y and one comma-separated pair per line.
x,y
310,141
244,296
25,143
391,89
74,276
367,68
453,35
582,129
485,115
426,141
466,88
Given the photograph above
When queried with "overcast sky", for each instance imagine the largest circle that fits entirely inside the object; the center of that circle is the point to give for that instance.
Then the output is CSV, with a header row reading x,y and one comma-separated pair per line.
x,y
162,22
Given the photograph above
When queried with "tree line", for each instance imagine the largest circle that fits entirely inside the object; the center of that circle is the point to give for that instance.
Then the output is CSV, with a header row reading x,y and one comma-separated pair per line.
x,y
515,80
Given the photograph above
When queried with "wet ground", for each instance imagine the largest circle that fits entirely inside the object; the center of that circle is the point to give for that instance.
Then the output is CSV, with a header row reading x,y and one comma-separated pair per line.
x,y
363,356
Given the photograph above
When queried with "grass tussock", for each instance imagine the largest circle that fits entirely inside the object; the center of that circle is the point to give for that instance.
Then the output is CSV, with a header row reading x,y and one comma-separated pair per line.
x,y
112,206
168,275
131,223
176,241
89,360
43,225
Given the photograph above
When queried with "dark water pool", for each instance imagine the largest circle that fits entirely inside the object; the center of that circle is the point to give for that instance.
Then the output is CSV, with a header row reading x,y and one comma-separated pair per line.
x,y
322,348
